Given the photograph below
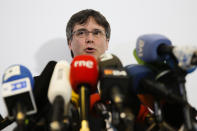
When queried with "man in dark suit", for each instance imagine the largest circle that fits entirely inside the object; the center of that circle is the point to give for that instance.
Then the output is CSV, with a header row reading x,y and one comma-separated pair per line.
x,y
88,32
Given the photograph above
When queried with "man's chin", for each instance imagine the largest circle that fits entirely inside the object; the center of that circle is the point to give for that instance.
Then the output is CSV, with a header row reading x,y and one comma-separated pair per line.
x,y
92,54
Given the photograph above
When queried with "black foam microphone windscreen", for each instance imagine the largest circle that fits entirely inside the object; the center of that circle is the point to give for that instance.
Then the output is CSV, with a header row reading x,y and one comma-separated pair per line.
x,y
42,84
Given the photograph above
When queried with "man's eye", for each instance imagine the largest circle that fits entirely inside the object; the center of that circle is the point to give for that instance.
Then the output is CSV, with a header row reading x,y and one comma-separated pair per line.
x,y
80,32
97,32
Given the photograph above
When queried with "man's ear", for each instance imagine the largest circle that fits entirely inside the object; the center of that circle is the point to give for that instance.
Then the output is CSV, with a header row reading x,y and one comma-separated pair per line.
x,y
69,44
107,42
70,47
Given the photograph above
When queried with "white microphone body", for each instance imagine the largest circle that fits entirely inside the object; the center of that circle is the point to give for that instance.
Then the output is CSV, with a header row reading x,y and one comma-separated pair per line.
x,y
60,84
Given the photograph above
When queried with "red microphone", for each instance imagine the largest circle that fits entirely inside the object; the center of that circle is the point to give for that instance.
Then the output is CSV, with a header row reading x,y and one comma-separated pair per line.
x,y
84,70
84,77
98,108
94,98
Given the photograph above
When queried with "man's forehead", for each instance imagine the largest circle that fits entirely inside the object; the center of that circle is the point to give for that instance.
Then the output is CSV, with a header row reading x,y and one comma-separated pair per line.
x,y
90,24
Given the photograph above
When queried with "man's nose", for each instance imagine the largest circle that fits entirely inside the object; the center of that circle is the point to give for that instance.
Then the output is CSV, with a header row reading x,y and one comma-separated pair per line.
x,y
89,38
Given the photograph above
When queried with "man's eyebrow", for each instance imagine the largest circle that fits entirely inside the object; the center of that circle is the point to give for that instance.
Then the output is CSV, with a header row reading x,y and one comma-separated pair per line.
x,y
81,29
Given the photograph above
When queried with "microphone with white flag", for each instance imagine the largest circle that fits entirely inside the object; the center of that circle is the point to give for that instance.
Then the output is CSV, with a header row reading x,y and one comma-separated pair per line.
x,y
16,90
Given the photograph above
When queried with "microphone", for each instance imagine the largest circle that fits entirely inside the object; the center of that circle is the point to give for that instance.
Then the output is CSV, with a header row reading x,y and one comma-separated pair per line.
x,y
41,87
108,60
84,77
137,73
1,118
59,93
152,48
75,99
111,81
94,98
143,82
84,69
17,92
114,88
153,93
97,106
110,68
186,57
114,79
99,109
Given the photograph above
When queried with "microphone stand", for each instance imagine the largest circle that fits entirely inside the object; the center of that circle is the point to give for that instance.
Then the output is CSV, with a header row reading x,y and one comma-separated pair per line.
x,y
101,109
84,107
66,121
124,114
186,108
5,122
159,124
179,76
57,115
73,118
20,116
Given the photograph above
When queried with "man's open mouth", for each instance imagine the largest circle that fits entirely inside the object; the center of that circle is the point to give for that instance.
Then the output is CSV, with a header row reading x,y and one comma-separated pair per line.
x,y
89,50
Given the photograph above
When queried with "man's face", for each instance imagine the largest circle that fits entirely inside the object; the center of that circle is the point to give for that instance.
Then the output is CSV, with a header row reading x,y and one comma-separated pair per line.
x,y
88,38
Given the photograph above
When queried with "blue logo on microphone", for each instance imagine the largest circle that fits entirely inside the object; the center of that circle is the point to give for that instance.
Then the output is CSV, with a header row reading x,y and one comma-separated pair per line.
x,y
19,85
